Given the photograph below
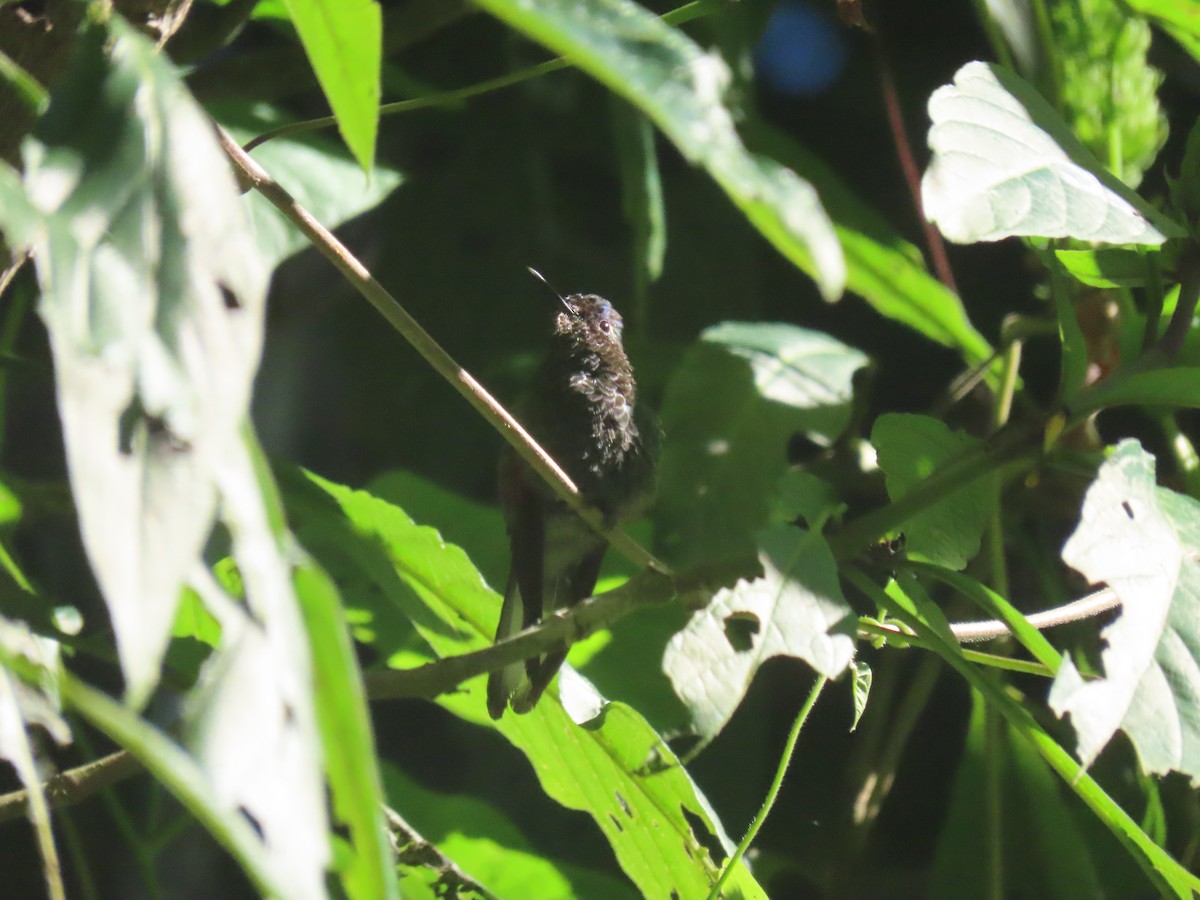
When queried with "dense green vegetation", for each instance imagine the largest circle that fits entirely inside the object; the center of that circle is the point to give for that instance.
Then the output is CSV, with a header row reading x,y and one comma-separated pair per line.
x,y
916,612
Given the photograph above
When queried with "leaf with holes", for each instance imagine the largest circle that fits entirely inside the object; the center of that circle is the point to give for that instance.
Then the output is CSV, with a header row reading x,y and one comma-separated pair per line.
x,y
1005,165
153,298
795,609
425,600
1142,541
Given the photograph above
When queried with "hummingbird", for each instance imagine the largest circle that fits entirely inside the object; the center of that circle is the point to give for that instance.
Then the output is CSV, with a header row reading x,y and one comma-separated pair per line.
x,y
584,411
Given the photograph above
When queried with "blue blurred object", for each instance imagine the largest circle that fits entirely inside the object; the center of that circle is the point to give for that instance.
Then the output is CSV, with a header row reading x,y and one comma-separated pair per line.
x,y
802,51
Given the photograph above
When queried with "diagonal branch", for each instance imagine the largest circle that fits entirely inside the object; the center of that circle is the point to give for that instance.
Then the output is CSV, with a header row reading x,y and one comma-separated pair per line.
x,y
250,173
567,626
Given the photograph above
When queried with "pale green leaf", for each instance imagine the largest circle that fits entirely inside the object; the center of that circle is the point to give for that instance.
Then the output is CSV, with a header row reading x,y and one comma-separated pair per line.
x,y
795,609
860,689
153,297
1004,165
1142,542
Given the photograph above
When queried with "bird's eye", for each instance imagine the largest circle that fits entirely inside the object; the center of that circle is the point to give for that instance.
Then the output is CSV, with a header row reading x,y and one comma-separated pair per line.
x,y
605,326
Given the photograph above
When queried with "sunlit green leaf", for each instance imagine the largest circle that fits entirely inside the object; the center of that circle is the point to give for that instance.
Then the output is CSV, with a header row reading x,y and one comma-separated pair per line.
x,y
343,40
910,449
1005,165
616,768
1111,266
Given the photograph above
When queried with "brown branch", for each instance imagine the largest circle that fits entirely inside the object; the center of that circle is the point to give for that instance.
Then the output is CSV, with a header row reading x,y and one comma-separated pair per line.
x,y
411,849
567,626
73,785
908,163
252,174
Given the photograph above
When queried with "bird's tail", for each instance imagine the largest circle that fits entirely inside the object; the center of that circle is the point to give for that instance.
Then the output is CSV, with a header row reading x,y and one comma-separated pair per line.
x,y
506,683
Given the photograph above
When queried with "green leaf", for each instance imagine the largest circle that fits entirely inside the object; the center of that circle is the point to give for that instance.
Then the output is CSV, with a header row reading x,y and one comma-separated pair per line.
x,y
1005,165
910,449
641,192
349,746
314,169
1185,190
1044,852
1175,387
153,298
487,845
885,270
732,405
616,768
803,496
24,85
1139,540
344,43
795,609
860,689
1110,267
1176,17
681,89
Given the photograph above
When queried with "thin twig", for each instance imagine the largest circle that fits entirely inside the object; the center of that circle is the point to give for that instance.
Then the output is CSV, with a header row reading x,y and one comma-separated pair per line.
x,y
908,163
10,271
1088,607
410,848
253,175
73,785
789,748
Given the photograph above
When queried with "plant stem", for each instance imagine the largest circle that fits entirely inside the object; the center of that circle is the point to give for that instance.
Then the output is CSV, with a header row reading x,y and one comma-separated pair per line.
x,y
253,175
773,791
993,762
